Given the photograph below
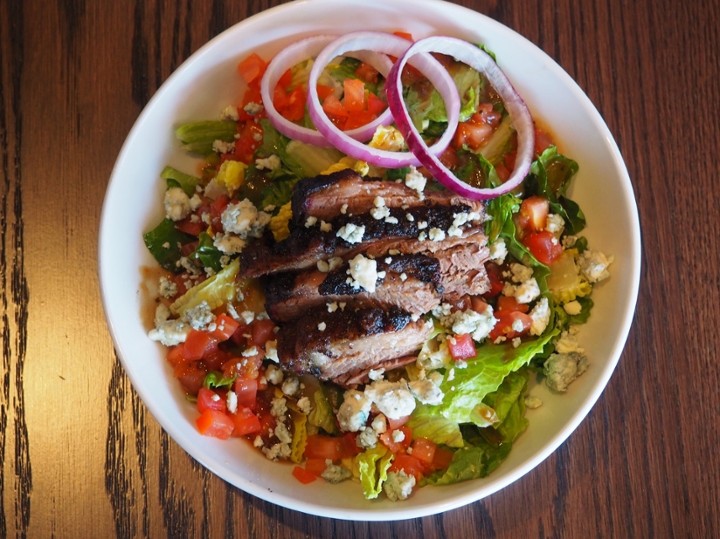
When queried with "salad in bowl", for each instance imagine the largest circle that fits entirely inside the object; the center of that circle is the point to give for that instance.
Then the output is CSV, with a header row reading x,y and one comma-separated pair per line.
x,y
368,268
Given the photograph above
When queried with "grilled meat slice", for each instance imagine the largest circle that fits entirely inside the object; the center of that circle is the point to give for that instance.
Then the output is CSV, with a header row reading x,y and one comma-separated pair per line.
x,y
462,270
410,282
328,196
329,345
415,230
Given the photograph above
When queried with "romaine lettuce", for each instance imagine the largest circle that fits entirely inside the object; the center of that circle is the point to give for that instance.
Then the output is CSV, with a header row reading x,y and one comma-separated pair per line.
x,y
372,465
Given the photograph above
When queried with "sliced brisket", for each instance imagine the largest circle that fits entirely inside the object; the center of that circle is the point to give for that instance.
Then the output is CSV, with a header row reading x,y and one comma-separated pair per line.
x,y
328,196
330,345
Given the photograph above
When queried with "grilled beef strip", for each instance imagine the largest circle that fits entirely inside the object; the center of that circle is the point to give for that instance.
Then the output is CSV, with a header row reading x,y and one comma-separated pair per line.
x,y
330,345
411,282
416,283
306,245
327,196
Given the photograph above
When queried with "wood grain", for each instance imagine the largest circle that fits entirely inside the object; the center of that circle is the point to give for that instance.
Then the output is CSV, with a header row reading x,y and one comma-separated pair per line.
x,y
80,456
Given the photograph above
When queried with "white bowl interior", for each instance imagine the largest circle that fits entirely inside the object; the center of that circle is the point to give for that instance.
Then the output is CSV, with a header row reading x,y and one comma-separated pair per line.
x,y
207,82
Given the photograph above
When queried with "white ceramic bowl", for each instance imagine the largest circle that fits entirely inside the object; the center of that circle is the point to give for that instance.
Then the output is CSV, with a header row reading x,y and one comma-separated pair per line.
x,y
207,82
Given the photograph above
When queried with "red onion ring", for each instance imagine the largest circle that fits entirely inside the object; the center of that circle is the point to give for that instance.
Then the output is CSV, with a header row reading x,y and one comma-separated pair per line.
x,y
293,55
482,62
395,46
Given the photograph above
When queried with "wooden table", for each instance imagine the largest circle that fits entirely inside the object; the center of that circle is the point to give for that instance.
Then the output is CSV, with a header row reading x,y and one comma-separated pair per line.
x,y
81,457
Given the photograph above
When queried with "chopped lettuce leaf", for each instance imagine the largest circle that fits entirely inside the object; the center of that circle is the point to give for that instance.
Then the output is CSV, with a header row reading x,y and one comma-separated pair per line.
x,y
217,380
471,462
372,465
216,290
198,137
509,405
207,253
176,178
425,423
482,376
550,175
164,243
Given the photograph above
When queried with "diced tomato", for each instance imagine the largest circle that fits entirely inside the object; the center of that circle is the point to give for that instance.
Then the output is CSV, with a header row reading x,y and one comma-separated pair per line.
x,y
353,95
495,277
196,344
216,209
533,214
249,137
348,445
176,355
225,327
324,91
510,324
358,119
542,141
246,391
215,357
251,68
409,464
388,439
543,246
190,227
335,110
215,423
441,458
241,335
367,73
424,450
262,331
315,466
474,132
304,476
245,367
375,105
461,346
245,422
290,105
190,376
207,399
320,446
509,304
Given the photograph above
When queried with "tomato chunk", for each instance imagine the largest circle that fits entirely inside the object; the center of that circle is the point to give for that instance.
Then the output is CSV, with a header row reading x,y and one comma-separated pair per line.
x,y
225,326
320,446
207,399
533,213
409,464
510,325
303,475
197,344
461,346
245,422
246,391
215,423
543,246
251,68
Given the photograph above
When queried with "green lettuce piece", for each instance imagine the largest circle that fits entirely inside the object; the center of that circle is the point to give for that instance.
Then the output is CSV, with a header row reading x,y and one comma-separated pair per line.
x,y
483,375
217,380
551,175
372,465
164,243
471,462
176,178
509,405
198,137
216,290
425,424
207,253
499,142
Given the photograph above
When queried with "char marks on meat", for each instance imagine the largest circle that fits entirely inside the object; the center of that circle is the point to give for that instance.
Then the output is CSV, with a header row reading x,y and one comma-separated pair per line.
x,y
330,345
428,248
346,192
410,282
308,244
